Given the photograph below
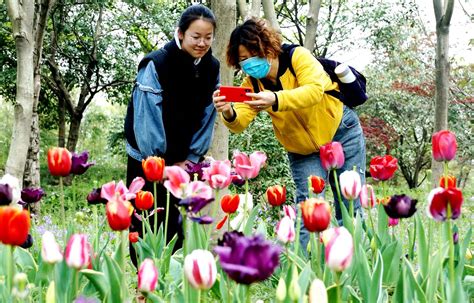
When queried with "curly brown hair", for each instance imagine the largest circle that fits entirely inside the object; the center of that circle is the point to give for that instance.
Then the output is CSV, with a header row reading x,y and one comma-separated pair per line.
x,y
257,36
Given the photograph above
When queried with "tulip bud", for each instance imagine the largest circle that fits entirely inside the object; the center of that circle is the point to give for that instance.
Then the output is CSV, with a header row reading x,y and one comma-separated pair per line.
x,y
316,214
392,221
373,244
153,168
119,213
318,292
294,290
339,248
78,251
285,230
144,200
289,211
200,269
317,184
444,145
133,237
281,290
350,184
367,196
59,161
276,195
20,286
332,156
230,203
147,276
51,293
50,250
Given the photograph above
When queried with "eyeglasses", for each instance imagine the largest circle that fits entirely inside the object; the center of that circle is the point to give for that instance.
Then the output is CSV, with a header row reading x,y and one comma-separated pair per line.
x,y
205,40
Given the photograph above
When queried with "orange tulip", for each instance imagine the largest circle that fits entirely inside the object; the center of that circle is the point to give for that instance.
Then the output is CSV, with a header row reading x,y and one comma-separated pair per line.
x,y
119,213
276,195
144,200
153,168
451,181
15,225
316,214
59,161
317,184
230,203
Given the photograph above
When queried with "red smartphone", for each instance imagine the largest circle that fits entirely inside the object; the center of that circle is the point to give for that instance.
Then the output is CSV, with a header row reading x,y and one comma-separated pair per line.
x,y
235,93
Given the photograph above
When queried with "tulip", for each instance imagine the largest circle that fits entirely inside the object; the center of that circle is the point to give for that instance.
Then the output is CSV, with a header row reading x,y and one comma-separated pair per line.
x,y
153,167
199,189
438,201
249,167
450,180
383,168
247,259
316,214
367,196
32,195
78,251
147,276
392,221
59,161
133,237
285,230
15,224
50,250
444,145
276,195
178,179
317,184
28,242
119,213
237,180
318,292
350,184
332,156
6,194
196,169
194,204
230,203
79,164
400,206
200,269
10,190
110,190
218,174
280,293
339,248
144,200
94,197
289,211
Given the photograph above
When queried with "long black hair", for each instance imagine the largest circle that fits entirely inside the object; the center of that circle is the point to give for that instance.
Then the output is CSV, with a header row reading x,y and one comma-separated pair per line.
x,y
193,13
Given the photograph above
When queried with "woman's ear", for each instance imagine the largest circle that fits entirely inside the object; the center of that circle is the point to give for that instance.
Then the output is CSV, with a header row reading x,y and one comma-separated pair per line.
x,y
180,34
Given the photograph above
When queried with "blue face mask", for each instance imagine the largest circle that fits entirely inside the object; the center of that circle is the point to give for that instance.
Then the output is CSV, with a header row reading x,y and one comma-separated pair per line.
x,y
256,67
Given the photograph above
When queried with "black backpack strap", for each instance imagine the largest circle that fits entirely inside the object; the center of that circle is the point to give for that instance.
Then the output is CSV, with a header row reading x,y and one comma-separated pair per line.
x,y
254,81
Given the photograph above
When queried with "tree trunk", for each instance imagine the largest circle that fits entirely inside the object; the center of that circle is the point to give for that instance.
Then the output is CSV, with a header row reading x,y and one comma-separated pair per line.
x,y
255,9
242,5
225,12
270,15
74,128
443,13
61,123
21,15
312,24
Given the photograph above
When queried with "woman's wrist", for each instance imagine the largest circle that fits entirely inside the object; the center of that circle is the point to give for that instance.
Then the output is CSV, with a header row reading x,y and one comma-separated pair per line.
x,y
229,115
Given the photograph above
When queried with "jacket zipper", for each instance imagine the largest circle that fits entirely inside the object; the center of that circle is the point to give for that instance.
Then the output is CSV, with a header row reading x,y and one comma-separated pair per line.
x,y
315,145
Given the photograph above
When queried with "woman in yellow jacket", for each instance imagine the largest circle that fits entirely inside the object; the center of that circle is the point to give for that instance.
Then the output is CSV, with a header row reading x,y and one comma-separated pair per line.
x,y
304,117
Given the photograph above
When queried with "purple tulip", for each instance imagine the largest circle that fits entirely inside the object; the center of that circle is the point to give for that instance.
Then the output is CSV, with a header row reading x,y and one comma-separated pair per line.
x,y
32,195
237,180
195,204
6,194
400,206
247,259
28,242
202,220
196,168
79,163
455,237
94,197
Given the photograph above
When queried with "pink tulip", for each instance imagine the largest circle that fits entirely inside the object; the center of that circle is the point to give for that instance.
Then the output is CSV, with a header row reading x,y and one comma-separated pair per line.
x,y
285,230
367,196
50,250
200,269
289,211
218,174
78,251
249,167
438,201
392,222
332,156
350,184
178,178
147,276
444,145
198,189
110,190
339,248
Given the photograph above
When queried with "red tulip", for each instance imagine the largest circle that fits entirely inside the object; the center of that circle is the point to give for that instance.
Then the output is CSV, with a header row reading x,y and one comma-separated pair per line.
x,y
316,214
383,168
332,156
276,195
15,224
317,184
230,203
119,213
438,201
144,200
59,161
133,237
444,145
449,179
153,168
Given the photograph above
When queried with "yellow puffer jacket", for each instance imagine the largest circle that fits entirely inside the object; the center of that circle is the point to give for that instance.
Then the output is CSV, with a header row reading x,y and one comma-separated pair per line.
x,y
306,117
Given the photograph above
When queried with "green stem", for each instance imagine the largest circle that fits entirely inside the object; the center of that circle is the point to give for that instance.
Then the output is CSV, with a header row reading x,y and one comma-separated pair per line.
x,y
167,212
338,288
298,228
215,208
123,241
63,212
73,195
341,204
402,233
371,221
155,215
351,209
445,171
248,294
10,265
310,188
96,227
185,251
451,248
314,254
245,200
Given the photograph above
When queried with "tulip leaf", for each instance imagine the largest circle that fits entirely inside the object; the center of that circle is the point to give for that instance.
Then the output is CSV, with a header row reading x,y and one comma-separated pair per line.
x,y
26,262
153,298
346,218
436,267
99,281
462,253
423,253
305,278
354,295
166,256
382,225
363,272
114,276
416,288
375,292
250,222
391,254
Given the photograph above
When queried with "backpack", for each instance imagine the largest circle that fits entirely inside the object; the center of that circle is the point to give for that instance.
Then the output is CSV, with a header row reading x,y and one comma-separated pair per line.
x,y
351,94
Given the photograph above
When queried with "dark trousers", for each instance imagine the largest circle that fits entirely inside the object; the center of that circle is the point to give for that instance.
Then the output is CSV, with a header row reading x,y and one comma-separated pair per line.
x,y
134,169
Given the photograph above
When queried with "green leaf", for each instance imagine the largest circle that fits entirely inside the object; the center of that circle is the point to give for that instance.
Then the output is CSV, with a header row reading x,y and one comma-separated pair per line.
x,y
423,253
391,255
363,273
166,256
354,295
305,278
462,253
382,225
436,266
115,277
375,292
250,222
420,295
99,280
26,262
